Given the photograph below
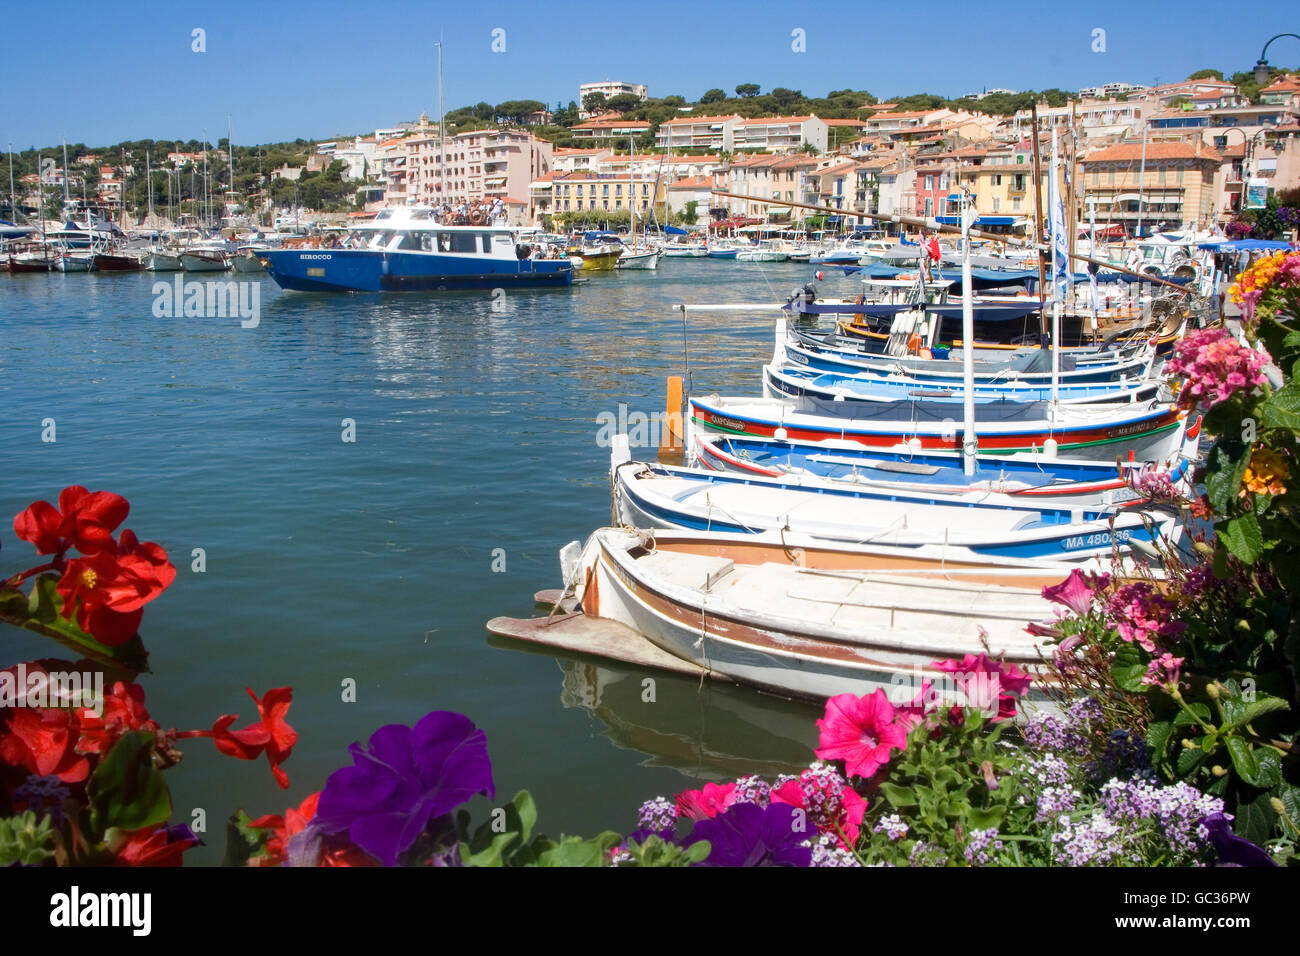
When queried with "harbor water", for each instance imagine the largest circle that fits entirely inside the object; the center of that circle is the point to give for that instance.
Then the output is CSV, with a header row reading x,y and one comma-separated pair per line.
x,y
477,422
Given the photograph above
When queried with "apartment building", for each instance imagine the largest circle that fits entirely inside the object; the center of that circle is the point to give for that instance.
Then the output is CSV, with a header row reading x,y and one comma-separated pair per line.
x,y
698,132
1172,182
780,133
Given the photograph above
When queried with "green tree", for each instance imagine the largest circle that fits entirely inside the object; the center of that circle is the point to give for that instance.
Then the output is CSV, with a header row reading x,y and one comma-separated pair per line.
x,y
1207,75
712,96
746,90
514,111
689,213
623,102
594,102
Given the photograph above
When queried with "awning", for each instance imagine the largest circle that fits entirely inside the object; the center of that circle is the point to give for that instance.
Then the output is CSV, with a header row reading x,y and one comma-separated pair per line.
x,y
674,231
778,210
1244,245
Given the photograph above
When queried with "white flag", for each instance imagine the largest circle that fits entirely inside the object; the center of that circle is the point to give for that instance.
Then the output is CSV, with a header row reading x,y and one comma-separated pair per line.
x,y
1060,244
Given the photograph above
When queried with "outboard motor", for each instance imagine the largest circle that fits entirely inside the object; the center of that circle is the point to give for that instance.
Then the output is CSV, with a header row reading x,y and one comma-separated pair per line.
x,y
803,296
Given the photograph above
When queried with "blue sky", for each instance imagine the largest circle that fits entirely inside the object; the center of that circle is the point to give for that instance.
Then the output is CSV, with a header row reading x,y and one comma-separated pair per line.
x,y
284,70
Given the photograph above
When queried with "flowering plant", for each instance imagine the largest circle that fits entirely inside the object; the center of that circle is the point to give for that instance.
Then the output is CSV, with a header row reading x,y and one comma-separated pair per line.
x,y
81,766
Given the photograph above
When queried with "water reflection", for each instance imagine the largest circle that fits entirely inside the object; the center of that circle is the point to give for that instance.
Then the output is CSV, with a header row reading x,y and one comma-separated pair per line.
x,y
707,730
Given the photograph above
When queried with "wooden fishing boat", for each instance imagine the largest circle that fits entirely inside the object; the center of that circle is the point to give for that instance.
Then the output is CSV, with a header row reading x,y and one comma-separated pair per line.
x,y
650,495
862,393
828,353
117,262
30,262
1093,432
807,618
1022,479
73,262
204,260
162,261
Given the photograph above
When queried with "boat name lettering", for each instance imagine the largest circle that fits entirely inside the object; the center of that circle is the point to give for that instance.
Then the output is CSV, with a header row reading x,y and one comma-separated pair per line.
x,y
725,422
315,255
1096,540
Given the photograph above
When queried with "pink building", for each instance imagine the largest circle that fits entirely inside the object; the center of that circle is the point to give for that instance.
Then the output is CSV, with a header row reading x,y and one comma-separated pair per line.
x,y
477,165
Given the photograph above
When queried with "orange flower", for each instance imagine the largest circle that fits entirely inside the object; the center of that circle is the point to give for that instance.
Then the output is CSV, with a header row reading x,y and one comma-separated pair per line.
x,y
1266,474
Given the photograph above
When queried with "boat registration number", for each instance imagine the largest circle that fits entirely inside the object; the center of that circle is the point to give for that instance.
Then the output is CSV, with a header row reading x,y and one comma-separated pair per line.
x,y
316,272
1097,540
725,422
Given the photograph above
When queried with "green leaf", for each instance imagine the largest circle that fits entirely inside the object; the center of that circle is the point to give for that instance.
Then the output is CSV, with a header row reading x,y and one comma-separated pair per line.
x,y
491,855
1254,819
575,851
1227,464
126,790
1158,735
26,839
1282,409
897,796
1239,713
41,613
242,841
1259,767
1243,537
1127,669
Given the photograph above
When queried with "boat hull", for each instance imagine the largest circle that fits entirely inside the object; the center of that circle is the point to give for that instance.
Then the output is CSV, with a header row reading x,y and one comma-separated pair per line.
x,y
363,270
201,262
164,262
889,648
106,262
1154,434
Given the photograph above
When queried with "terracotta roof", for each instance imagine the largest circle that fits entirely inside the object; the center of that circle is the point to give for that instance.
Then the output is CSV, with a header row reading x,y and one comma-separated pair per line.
x,y
858,123
772,120
610,124
694,120
1125,152
1283,84
904,114
693,182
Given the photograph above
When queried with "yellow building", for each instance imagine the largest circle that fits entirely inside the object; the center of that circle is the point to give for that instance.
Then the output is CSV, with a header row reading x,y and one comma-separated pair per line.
x,y
612,191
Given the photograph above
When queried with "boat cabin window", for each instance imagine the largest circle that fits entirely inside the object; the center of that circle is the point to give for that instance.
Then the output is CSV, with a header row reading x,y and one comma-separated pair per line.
x,y
457,242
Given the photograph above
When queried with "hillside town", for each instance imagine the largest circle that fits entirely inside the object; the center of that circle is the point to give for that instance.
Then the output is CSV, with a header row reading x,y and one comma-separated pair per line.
x,y
1197,152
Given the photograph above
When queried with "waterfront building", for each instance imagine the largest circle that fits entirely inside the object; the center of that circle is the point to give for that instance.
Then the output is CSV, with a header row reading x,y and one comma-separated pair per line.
x,y
572,192
696,189
1110,90
772,181
1168,182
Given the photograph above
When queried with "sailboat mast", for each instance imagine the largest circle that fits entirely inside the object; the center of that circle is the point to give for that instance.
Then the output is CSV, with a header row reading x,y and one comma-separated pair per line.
x,y
230,152
442,134
969,439
13,206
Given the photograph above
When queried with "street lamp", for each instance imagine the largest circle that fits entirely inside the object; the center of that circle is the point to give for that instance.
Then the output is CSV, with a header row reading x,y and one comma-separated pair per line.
x,y
1248,143
1262,69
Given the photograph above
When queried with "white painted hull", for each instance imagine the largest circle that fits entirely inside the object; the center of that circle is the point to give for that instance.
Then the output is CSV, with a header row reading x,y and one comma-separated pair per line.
x,y
206,262
247,264
73,263
686,252
163,262
761,256
638,260
777,626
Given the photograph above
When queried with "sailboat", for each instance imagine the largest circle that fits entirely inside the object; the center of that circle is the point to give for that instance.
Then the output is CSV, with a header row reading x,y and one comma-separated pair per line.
x,y
636,257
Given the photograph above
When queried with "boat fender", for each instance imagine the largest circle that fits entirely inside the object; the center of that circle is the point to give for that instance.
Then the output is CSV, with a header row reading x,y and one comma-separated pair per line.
x,y
523,250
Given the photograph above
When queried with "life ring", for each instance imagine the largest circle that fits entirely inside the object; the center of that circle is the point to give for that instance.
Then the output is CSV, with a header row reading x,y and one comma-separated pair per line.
x,y
476,217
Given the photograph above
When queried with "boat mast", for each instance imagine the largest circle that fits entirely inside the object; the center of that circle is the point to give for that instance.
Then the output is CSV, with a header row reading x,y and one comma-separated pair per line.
x,y
442,135
1054,200
1038,216
969,440
230,152
148,185
1142,179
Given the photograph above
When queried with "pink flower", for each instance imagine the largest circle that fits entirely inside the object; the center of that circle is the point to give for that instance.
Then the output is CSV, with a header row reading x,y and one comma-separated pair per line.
x,y
860,731
1163,670
706,803
833,806
1077,591
1141,614
1215,365
985,681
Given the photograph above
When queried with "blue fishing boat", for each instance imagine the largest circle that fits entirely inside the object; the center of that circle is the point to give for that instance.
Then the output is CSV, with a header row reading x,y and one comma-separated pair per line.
x,y
650,495
409,249
1029,479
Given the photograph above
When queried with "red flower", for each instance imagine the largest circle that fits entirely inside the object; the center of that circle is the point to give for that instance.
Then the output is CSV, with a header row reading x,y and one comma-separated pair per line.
x,y
123,712
271,734
106,592
43,740
284,828
335,850
84,520
985,683
160,847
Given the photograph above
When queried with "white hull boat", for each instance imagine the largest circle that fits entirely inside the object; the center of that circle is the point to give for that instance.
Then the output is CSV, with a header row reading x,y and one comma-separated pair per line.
x,y
163,262
649,259
812,619
204,262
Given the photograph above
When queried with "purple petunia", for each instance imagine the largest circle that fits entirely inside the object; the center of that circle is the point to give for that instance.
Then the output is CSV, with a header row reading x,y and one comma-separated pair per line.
x,y
749,835
406,778
1233,850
